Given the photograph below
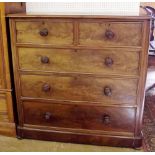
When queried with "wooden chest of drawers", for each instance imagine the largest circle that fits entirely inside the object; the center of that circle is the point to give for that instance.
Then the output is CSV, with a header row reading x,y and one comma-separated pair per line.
x,y
80,78
7,125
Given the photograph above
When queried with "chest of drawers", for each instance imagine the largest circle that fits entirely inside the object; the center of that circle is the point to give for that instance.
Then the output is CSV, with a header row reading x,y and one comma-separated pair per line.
x,y
80,79
7,125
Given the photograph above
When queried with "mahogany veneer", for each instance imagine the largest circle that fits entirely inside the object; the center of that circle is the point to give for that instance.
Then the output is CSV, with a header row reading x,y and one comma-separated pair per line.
x,y
80,78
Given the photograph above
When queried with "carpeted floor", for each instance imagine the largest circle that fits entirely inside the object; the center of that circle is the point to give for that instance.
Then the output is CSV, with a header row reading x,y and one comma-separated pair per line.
x,y
8,144
149,125
149,112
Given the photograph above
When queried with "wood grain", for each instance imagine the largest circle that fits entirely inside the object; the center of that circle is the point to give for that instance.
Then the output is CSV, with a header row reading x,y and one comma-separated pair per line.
x,y
7,126
15,7
23,16
79,117
59,33
79,88
3,105
94,33
80,61
8,129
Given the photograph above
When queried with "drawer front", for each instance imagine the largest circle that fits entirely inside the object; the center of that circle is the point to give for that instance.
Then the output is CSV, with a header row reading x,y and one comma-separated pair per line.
x,y
79,117
2,79
3,108
106,61
79,88
4,117
110,34
45,32
3,105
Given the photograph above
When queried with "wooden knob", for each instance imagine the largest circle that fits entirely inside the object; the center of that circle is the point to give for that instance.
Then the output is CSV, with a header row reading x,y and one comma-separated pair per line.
x,y
107,91
44,59
106,119
47,115
108,61
109,34
43,32
46,87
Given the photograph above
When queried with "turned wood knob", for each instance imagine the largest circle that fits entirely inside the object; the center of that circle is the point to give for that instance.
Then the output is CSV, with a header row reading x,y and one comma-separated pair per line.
x,y
108,61
106,119
109,34
46,87
107,91
47,115
45,59
43,32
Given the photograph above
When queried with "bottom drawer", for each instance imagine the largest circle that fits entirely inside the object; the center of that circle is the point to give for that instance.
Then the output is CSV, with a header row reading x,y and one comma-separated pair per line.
x,y
79,116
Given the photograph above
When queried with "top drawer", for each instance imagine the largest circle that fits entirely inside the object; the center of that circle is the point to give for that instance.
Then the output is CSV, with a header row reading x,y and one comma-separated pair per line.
x,y
45,32
110,33
92,33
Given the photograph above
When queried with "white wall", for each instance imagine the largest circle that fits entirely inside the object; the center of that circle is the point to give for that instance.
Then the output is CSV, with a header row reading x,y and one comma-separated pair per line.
x,y
86,7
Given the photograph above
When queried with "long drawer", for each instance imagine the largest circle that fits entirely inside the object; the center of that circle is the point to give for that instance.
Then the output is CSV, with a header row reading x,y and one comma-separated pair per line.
x,y
45,32
106,61
110,33
79,88
79,117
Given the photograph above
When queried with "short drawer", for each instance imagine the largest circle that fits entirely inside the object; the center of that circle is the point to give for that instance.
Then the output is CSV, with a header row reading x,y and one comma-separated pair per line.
x,y
45,32
106,61
80,88
110,33
79,117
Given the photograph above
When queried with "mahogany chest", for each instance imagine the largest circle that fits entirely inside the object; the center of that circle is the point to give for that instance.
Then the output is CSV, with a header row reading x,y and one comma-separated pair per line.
x,y
80,79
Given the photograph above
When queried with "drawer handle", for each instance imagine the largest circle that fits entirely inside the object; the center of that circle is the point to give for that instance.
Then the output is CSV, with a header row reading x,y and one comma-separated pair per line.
x,y
47,115
107,91
109,34
108,61
43,32
46,87
45,59
106,119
